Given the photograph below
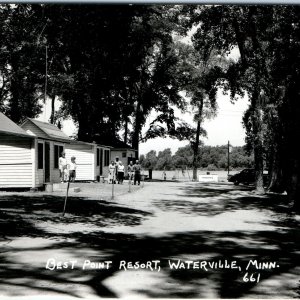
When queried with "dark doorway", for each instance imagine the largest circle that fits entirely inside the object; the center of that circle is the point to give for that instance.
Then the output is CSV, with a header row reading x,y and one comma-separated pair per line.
x,y
101,162
47,162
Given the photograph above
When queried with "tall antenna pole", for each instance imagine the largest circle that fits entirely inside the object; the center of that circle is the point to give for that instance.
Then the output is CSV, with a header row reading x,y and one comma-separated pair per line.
x,y
46,75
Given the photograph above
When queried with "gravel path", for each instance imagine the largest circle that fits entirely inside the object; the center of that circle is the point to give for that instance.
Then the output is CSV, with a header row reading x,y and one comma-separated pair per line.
x,y
160,221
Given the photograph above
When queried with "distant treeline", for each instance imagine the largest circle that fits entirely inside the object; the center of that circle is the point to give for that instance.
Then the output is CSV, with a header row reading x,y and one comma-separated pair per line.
x,y
210,158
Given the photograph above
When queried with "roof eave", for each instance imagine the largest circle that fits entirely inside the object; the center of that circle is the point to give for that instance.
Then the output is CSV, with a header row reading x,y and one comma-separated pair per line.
x,y
114,148
17,134
50,137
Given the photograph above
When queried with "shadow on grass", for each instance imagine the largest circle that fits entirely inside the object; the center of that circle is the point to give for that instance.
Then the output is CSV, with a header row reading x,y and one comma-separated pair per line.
x,y
19,216
214,199
269,246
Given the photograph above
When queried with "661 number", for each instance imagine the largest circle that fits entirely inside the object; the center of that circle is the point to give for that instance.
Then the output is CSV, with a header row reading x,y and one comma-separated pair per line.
x,y
254,277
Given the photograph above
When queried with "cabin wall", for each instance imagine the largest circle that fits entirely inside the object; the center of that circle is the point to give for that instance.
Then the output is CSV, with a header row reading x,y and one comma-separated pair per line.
x,y
15,162
85,160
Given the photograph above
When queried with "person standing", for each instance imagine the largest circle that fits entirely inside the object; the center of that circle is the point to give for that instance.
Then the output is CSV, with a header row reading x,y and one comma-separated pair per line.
x,y
117,161
72,169
121,170
164,175
137,172
112,172
62,164
130,171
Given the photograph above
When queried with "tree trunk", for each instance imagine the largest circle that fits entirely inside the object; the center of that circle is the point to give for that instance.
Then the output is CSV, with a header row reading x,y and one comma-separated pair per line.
x,y
257,142
258,165
276,179
52,117
137,129
290,116
196,152
197,142
126,131
293,189
84,125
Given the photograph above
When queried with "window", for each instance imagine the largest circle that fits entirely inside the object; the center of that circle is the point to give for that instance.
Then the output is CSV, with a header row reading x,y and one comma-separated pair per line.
x,y
123,154
40,156
57,153
98,157
106,158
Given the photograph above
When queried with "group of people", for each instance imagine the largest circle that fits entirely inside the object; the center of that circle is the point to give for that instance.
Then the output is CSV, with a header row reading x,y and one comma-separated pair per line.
x,y
67,171
117,170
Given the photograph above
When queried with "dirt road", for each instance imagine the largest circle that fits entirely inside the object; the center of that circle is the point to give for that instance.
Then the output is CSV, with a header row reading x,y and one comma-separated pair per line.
x,y
166,239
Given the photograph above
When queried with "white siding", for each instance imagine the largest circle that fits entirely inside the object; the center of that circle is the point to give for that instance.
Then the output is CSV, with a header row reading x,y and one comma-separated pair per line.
x,y
30,128
84,154
15,162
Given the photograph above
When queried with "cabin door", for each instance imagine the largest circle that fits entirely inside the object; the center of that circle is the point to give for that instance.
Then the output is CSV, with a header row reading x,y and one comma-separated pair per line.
x,y
47,162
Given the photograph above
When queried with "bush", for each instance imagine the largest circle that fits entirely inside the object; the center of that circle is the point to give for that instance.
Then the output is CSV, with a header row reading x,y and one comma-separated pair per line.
x,y
212,167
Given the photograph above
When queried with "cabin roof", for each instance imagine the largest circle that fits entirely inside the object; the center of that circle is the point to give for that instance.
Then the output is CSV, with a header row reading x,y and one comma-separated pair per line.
x,y
7,126
50,130
87,143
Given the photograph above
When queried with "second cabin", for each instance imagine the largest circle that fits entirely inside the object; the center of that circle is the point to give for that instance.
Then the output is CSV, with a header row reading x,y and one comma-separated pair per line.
x,y
92,160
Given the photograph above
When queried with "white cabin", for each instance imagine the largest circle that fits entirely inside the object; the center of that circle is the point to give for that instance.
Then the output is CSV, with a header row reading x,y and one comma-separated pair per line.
x,y
92,160
50,142
17,166
29,154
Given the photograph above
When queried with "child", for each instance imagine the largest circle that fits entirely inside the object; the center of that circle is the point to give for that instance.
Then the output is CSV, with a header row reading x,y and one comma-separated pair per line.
x,y
62,167
112,170
72,169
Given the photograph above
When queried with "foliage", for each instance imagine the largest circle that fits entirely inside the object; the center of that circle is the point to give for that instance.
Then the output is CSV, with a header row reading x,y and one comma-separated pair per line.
x,y
212,158
267,38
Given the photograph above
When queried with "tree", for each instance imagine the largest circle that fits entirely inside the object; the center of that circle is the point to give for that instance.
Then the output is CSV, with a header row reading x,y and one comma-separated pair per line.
x,y
150,160
199,79
164,160
268,41
223,28
20,63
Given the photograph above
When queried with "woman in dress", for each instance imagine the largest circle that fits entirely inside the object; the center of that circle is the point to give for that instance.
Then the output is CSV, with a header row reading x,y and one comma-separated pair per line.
x,y
112,172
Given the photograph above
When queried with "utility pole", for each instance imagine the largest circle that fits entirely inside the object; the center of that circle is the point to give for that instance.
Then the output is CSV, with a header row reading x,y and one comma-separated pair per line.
x,y
228,156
